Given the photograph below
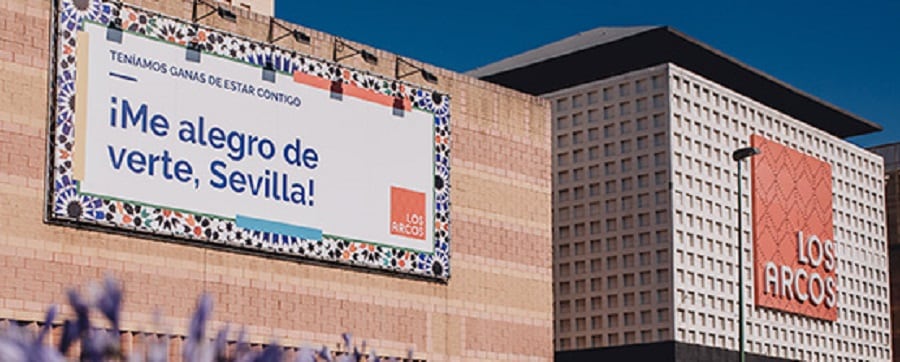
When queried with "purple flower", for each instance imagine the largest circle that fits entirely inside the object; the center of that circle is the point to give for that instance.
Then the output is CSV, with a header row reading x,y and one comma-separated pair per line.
x,y
220,346
305,355
110,302
13,344
272,353
195,346
158,351
16,344
348,338
325,354
69,336
48,322
373,356
242,350
100,344
82,322
201,315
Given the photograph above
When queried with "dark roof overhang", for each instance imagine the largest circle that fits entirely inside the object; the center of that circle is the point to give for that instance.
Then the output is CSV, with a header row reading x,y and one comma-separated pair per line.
x,y
659,45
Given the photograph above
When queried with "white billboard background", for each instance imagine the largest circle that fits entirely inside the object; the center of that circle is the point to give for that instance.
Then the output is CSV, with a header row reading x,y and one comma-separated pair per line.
x,y
363,148
366,149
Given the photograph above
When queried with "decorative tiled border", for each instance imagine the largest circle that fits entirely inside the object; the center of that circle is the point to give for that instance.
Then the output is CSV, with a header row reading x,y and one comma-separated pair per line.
x,y
69,205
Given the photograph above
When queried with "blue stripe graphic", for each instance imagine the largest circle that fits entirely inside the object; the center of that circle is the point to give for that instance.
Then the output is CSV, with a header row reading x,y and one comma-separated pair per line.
x,y
123,76
303,232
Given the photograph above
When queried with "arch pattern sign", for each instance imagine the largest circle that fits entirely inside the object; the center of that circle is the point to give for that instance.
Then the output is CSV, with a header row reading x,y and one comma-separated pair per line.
x,y
794,250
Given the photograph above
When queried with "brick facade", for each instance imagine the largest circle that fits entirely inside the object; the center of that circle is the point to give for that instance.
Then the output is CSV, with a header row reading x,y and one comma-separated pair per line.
x,y
891,154
496,306
892,196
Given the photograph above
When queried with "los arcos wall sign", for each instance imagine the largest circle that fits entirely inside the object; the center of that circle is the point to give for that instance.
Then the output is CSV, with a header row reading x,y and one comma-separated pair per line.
x,y
794,251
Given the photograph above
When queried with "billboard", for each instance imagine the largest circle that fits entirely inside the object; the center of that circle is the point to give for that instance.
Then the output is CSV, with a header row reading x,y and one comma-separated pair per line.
x,y
794,251
166,128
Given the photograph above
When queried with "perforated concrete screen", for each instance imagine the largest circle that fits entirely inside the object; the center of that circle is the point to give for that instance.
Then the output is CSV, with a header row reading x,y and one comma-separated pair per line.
x,y
815,173
646,223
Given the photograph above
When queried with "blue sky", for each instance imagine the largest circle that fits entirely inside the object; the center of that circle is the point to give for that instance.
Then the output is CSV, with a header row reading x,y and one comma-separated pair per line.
x,y
846,53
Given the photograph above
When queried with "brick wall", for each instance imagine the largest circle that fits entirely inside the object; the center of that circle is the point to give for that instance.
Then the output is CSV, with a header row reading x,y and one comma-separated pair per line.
x,y
265,7
892,199
496,306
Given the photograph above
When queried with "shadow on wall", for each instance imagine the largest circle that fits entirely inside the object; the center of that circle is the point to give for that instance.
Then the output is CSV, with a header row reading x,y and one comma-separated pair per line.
x,y
660,351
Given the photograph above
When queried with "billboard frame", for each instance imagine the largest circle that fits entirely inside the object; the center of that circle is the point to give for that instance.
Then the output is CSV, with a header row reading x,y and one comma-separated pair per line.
x,y
92,213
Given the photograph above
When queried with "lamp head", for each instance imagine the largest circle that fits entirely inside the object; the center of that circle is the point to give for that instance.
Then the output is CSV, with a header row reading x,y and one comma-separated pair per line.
x,y
746,152
300,36
368,57
226,14
429,76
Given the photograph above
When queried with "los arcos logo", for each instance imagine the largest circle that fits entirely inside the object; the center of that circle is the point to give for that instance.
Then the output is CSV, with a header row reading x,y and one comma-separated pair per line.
x,y
805,283
795,255
408,213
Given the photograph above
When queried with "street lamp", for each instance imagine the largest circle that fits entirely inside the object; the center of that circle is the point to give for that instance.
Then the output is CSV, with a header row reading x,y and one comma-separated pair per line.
x,y
739,155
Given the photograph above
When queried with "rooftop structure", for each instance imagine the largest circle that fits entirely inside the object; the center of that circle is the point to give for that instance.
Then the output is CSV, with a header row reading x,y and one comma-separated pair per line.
x,y
603,52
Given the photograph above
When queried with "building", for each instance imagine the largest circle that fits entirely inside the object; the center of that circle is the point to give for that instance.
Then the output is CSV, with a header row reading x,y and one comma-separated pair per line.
x,y
645,120
264,7
94,182
891,154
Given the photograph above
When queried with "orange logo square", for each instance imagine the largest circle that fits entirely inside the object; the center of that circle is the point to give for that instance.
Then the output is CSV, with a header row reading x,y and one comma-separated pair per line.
x,y
794,250
408,213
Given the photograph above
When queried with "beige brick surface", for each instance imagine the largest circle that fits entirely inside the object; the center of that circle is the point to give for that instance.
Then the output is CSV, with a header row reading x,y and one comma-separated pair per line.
x,y
496,306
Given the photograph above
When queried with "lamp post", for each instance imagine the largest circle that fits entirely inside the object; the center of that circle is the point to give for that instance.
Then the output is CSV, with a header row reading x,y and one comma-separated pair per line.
x,y
738,156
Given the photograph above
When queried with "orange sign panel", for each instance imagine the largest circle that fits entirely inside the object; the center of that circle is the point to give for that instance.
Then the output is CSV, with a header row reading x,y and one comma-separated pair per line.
x,y
407,213
794,251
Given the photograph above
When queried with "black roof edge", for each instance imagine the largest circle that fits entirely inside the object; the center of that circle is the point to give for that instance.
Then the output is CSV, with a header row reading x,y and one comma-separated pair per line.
x,y
884,145
665,44
770,78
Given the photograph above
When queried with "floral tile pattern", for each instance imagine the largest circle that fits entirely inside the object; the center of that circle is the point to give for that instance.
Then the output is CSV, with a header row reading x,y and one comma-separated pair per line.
x,y
70,205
